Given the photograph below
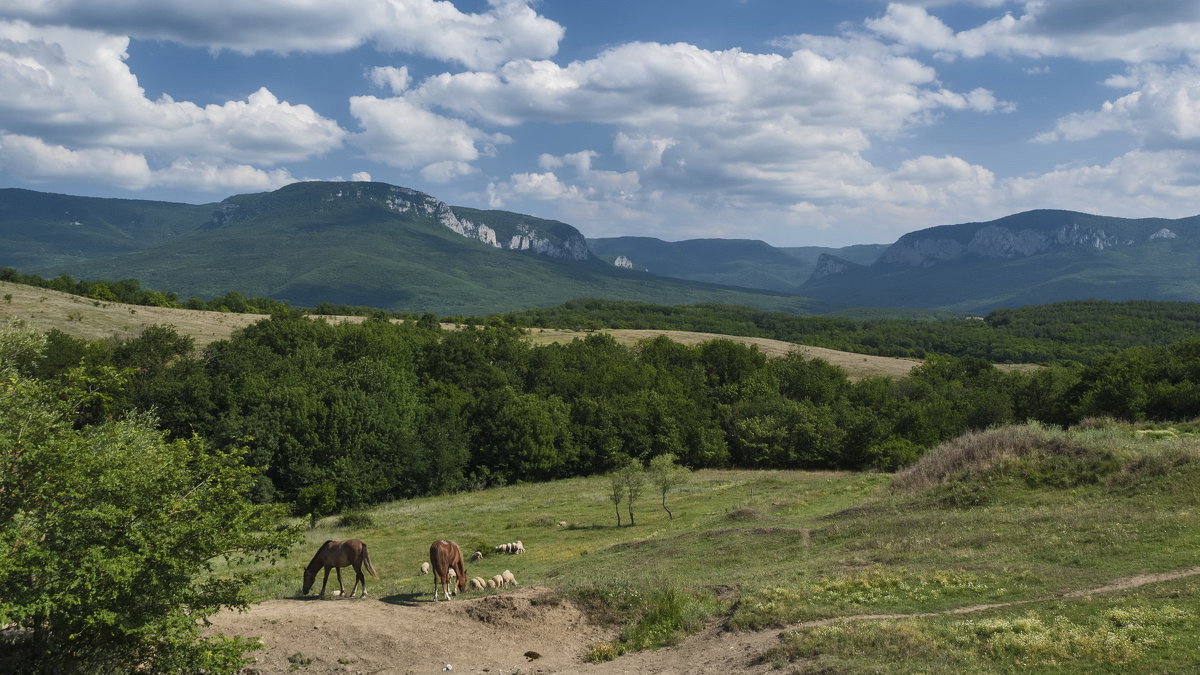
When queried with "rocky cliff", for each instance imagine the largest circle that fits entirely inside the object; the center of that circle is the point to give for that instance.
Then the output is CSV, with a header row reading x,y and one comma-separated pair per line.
x,y
1020,236
494,228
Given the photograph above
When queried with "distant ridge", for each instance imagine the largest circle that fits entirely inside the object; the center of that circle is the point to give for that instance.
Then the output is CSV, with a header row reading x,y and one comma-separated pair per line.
x,y
356,243
1035,257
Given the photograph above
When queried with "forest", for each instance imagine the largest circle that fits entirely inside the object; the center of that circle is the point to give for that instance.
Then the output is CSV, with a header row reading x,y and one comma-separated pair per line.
x,y
347,415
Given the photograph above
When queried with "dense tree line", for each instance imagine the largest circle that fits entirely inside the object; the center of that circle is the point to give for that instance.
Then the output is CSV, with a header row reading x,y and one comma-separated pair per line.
x,y
1082,331
341,416
130,291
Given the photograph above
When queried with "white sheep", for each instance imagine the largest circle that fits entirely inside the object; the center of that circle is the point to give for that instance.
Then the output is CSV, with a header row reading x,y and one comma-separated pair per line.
x,y
477,555
491,583
478,583
520,548
424,568
509,579
452,573
498,580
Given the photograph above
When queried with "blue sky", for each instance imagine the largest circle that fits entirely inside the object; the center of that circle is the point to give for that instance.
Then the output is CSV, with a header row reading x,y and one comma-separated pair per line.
x,y
790,121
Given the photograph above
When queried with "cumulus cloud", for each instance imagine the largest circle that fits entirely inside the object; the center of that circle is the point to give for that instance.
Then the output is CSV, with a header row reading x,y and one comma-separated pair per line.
x,y
1091,30
1163,183
39,161
730,130
1162,111
508,29
388,77
73,87
398,133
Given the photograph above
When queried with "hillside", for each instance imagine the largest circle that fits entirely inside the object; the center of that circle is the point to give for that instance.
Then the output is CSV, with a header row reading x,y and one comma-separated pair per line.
x,y
1036,257
345,243
40,230
1017,549
737,262
46,309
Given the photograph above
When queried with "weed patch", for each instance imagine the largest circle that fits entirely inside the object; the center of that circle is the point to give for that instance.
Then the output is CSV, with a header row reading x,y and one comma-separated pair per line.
x,y
1115,638
874,587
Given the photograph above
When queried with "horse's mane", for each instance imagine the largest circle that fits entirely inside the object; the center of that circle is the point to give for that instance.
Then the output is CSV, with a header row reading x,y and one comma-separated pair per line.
x,y
316,559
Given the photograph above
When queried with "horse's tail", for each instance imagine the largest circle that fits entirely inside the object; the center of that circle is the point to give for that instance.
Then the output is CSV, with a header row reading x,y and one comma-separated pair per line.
x,y
367,562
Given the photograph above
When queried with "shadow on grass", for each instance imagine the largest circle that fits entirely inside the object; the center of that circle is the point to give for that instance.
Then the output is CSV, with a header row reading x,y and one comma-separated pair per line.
x,y
407,599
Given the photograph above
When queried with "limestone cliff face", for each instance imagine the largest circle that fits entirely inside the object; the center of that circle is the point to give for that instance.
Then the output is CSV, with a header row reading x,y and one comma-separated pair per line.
x,y
572,246
829,265
927,248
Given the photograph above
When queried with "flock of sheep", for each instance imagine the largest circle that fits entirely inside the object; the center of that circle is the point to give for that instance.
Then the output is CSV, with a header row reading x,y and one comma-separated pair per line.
x,y
501,580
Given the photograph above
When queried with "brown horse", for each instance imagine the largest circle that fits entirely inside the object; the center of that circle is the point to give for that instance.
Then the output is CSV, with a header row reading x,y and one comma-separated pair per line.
x,y
336,555
444,557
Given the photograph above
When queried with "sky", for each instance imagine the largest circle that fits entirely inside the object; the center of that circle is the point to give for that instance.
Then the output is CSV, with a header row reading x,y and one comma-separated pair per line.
x,y
797,122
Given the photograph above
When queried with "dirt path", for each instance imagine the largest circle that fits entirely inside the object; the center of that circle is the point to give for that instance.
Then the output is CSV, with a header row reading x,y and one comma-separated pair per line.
x,y
521,631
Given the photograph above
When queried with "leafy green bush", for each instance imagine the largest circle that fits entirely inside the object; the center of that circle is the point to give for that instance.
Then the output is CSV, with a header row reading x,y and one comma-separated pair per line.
x,y
115,538
355,519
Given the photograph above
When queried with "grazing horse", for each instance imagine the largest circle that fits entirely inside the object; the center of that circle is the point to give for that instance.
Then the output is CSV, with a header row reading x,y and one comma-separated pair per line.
x,y
446,557
336,555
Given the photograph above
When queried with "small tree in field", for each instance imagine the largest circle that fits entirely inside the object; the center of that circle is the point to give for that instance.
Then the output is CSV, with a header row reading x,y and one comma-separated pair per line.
x,y
666,475
633,477
616,493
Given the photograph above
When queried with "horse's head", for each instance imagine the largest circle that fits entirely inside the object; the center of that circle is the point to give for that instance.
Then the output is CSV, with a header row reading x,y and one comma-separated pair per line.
x,y
310,576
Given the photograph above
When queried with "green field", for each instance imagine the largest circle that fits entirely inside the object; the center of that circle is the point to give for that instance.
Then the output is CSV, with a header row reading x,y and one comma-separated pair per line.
x,y
1027,519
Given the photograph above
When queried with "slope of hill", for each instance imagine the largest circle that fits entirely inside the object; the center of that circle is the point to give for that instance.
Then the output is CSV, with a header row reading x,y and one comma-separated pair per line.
x,y
1035,257
46,309
39,230
1016,549
364,244
738,262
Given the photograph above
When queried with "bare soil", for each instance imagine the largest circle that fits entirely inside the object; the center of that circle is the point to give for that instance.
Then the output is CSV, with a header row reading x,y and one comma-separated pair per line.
x,y
520,631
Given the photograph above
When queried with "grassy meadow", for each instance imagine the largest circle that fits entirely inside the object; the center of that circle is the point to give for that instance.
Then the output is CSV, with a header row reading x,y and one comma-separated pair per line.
x,y
1026,518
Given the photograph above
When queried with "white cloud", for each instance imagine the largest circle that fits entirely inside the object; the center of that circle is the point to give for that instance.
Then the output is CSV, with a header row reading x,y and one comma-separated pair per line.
x,y
401,134
508,29
1134,185
39,161
1162,112
394,79
73,87
361,177
1090,30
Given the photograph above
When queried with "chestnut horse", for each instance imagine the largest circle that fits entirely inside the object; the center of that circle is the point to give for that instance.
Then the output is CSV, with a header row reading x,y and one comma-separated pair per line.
x,y
445,556
336,555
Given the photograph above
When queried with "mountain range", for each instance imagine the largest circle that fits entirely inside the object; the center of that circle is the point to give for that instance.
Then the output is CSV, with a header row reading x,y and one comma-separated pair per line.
x,y
356,243
381,245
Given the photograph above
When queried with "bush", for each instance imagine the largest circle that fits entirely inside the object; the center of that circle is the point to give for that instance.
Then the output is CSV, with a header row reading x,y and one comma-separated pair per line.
x,y
111,535
356,519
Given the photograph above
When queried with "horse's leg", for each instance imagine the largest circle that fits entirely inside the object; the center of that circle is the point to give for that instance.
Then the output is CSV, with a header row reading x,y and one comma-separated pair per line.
x,y
324,580
358,576
341,588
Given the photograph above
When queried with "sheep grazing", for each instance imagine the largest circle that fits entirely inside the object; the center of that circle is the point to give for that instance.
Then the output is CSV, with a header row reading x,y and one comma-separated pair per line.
x,y
477,583
424,568
453,574
491,583
509,579
562,523
477,555
511,548
498,580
